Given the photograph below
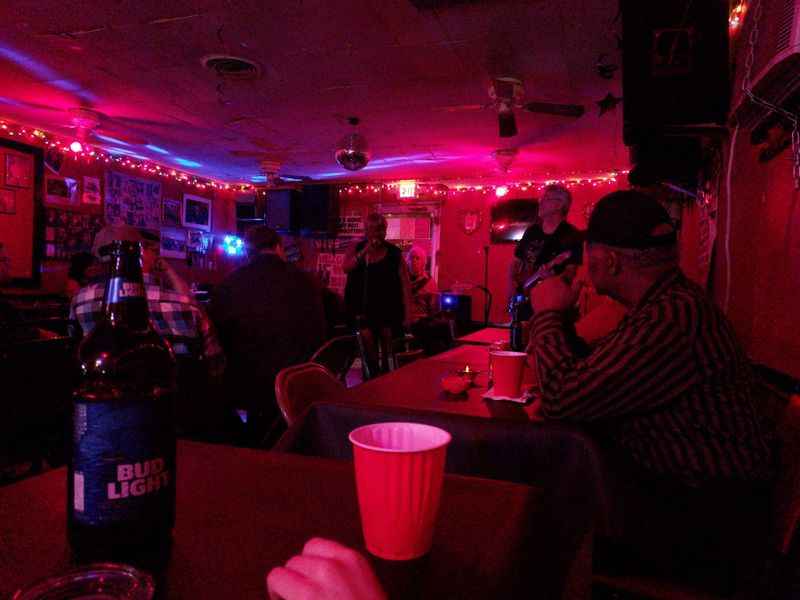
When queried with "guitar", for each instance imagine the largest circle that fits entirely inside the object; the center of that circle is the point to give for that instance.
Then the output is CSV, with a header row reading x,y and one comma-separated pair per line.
x,y
543,272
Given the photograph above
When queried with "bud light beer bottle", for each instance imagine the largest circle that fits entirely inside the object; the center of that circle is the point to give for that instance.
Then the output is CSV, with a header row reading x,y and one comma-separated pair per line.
x,y
121,476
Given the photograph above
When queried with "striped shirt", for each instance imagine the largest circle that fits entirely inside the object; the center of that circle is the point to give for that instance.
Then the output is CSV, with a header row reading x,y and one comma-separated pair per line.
x,y
174,316
671,384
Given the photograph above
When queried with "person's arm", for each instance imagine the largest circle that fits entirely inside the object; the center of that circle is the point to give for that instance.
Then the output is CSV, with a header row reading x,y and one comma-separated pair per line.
x,y
514,270
408,300
212,349
646,364
325,570
353,256
175,281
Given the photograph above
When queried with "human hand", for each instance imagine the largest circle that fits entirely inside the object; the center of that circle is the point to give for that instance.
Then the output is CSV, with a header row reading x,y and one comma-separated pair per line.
x,y
555,293
325,570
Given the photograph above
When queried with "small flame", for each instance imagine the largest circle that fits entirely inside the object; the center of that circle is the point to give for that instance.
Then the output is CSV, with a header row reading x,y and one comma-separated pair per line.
x,y
466,369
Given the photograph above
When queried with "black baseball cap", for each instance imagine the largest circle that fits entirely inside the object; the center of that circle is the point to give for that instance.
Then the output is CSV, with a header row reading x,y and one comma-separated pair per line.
x,y
630,219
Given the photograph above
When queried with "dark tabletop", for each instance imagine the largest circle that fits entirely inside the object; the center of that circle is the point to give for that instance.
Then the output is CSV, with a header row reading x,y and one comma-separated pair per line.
x,y
417,386
487,335
242,512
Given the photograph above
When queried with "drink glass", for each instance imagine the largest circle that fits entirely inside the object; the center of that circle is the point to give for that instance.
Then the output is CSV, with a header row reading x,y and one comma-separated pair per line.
x,y
508,368
99,581
399,473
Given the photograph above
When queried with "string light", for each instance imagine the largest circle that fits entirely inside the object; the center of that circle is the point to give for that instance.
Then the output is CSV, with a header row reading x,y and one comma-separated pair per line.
x,y
736,17
76,151
500,190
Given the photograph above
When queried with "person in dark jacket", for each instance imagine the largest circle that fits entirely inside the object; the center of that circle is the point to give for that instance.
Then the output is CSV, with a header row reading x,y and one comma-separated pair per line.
x,y
378,292
269,315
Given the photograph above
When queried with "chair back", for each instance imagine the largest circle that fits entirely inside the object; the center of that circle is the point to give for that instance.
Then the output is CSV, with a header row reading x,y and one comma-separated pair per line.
x,y
786,498
338,355
299,386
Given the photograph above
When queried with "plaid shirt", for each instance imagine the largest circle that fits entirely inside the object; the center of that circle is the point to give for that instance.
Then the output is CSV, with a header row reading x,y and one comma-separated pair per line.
x,y
671,382
173,315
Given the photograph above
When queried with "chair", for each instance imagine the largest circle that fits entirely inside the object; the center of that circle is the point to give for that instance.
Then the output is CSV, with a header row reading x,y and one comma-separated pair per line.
x,y
298,386
778,577
338,355
38,379
403,353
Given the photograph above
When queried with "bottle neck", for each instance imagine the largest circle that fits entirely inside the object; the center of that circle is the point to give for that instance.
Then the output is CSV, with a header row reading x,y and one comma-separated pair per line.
x,y
125,300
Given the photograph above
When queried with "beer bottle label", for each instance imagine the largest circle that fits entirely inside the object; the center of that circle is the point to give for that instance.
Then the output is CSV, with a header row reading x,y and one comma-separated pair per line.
x,y
123,461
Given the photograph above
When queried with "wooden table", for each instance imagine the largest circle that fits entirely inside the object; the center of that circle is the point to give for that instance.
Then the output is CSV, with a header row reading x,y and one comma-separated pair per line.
x,y
242,512
417,386
486,336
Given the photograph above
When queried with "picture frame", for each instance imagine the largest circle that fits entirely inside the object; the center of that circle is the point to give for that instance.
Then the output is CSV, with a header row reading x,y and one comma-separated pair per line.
x,y
8,202
91,191
194,241
19,170
171,212
196,213
173,243
61,190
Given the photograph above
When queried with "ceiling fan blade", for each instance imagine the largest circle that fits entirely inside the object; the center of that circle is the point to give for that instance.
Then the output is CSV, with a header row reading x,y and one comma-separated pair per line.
x,y
558,110
461,108
247,153
29,105
507,123
110,135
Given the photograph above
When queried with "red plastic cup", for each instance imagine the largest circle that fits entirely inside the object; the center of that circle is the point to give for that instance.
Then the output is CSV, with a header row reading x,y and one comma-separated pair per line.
x,y
399,473
508,368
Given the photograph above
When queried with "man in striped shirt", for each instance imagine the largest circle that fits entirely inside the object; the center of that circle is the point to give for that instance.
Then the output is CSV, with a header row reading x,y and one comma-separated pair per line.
x,y
670,386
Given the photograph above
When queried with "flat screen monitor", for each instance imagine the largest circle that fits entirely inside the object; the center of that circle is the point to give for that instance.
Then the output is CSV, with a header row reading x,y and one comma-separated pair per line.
x,y
511,218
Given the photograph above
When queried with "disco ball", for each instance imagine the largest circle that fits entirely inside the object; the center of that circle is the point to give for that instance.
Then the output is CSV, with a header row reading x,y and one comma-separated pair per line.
x,y
352,152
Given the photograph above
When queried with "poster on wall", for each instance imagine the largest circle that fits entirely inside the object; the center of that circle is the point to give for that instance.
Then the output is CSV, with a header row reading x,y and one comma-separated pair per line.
x,y
132,201
8,202
19,170
173,243
91,191
171,212
67,232
61,190
196,212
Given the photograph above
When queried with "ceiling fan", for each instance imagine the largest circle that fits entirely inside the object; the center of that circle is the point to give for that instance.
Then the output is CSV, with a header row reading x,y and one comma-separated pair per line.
x,y
270,159
507,94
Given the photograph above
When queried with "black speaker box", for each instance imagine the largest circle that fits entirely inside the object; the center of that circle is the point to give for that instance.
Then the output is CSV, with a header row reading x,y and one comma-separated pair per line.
x,y
319,210
676,160
674,65
283,210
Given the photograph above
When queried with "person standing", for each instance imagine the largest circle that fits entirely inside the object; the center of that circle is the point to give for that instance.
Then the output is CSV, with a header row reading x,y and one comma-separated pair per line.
x,y
378,292
543,241
269,315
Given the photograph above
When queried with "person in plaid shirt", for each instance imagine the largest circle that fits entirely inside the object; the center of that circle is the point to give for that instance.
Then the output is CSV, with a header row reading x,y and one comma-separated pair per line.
x,y
173,312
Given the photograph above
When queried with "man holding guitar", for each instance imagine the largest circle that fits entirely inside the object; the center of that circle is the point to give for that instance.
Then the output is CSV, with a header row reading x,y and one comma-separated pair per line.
x,y
550,246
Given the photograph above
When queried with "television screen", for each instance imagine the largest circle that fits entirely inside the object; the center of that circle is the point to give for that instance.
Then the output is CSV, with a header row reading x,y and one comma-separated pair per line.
x,y
511,218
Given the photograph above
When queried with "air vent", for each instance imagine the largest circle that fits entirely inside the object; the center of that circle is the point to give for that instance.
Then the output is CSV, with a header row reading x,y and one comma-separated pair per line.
x,y
232,67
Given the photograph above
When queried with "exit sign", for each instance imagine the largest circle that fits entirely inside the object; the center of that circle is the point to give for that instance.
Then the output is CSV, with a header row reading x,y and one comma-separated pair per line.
x,y
408,189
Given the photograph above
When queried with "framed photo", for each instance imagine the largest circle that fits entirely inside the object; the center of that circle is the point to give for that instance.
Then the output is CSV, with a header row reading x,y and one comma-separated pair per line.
x,y
170,212
196,212
194,241
91,190
173,243
8,202
61,190
19,170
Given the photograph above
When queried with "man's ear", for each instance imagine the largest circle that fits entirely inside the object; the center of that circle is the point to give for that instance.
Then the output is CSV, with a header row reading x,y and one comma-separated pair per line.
x,y
614,263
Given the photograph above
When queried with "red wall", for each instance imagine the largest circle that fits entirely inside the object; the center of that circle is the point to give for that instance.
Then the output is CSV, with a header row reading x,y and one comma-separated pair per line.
x,y
764,258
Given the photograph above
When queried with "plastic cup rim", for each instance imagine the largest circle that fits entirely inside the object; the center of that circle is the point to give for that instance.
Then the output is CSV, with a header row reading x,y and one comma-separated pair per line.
x,y
446,438
507,353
